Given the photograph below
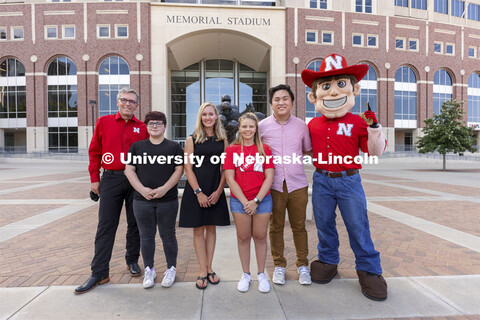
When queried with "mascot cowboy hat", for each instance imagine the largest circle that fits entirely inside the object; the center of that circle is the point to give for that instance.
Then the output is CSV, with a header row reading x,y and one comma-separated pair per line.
x,y
334,64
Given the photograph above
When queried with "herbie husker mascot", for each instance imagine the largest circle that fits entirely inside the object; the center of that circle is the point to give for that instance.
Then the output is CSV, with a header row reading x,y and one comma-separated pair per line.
x,y
338,132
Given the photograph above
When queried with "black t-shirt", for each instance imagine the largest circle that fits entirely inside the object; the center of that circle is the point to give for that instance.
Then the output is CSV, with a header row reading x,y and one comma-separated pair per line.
x,y
155,164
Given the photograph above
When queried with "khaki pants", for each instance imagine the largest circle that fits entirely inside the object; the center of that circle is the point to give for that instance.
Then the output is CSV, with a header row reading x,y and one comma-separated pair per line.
x,y
296,204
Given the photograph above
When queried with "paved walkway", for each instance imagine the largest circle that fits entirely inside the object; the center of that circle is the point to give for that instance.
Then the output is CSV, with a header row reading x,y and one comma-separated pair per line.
x,y
424,222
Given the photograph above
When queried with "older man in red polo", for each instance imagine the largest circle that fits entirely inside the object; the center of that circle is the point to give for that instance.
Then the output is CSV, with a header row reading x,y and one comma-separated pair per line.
x,y
113,135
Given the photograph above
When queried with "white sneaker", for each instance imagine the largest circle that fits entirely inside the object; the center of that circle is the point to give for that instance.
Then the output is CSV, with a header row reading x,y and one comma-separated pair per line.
x,y
263,284
279,275
304,275
169,277
244,283
149,278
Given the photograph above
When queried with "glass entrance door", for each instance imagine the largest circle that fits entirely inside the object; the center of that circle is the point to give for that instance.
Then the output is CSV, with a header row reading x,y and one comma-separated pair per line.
x,y
208,81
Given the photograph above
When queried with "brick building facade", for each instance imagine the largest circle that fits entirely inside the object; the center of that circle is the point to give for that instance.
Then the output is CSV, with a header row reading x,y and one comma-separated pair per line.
x,y
178,55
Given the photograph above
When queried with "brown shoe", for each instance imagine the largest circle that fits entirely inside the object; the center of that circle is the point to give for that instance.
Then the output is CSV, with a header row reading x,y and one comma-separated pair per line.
x,y
322,272
373,286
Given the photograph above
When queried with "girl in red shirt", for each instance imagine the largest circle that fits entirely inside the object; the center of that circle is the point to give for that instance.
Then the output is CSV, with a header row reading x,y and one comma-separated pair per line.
x,y
249,172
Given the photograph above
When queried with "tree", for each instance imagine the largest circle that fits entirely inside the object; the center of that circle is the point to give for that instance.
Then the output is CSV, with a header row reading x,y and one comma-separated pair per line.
x,y
447,132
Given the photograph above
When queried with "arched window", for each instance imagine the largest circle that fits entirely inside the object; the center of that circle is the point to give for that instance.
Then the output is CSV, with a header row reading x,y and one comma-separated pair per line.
x,y
13,101
62,105
368,93
473,113
62,88
113,75
442,89
405,98
310,111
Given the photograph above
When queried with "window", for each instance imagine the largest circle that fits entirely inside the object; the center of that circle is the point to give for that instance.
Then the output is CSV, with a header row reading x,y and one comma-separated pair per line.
x,y
51,32
68,32
457,7
13,98
400,43
269,3
442,89
372,41
103,31
62,88
363,6
473,12
401,3
121,31
473,109
311,36
318,4
413,44
17,33
438,47
440,6
419,4
63,139
113,74
62,105
450,49
368,92
253,88
405,95
357,40
310,111
472,52
327,37
359,5
3,33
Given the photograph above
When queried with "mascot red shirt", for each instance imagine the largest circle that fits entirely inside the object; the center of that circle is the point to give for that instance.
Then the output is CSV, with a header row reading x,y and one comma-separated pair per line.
x,y
339,135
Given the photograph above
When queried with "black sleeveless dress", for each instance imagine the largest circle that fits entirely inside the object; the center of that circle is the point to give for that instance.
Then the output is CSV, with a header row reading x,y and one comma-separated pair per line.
x,y
208,177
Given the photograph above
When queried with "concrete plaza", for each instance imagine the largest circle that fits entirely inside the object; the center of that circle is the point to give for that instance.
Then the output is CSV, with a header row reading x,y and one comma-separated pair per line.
x,y
425,223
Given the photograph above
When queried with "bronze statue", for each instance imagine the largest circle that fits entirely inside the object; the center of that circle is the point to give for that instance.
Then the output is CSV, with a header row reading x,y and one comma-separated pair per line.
x,y
229,114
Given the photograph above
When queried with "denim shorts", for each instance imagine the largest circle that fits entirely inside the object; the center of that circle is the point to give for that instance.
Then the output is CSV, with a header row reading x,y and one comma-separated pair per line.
x,y
264,207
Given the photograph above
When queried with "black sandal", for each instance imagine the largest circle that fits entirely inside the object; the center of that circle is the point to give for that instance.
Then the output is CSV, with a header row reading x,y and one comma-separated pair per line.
x,y
213,274
204,281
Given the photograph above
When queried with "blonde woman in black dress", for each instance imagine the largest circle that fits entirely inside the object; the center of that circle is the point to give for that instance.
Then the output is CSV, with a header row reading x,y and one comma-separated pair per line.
x,y
204,205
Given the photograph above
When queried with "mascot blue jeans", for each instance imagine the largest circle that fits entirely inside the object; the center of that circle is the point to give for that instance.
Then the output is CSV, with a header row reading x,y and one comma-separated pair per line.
x,y
346,192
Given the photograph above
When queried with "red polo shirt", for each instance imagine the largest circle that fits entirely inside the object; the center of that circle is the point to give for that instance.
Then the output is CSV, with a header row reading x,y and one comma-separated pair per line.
x,y
113,135
337,137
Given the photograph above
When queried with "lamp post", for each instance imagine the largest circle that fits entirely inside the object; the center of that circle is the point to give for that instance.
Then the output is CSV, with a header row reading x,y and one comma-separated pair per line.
x,y
92,104
427,70
296,61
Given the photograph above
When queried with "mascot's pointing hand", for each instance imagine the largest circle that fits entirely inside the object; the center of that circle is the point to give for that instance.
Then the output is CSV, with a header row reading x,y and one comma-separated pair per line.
x,y
369,116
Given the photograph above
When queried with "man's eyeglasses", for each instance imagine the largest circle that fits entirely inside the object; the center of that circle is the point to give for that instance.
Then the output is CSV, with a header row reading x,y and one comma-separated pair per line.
x,y
153,124
125,101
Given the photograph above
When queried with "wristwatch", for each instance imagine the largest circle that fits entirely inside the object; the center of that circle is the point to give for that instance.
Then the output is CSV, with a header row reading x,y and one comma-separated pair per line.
x,y
257,201
197,191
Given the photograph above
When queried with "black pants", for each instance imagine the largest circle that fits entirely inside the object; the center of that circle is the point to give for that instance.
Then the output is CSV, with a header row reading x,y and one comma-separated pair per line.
x,y
149,215
114,190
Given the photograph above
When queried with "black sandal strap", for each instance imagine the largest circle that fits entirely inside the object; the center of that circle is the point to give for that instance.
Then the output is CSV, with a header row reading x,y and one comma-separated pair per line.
x,y
204,282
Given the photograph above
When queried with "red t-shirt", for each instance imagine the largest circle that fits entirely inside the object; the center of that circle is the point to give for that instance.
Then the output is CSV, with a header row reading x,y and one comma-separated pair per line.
x,y
115,136
248,174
